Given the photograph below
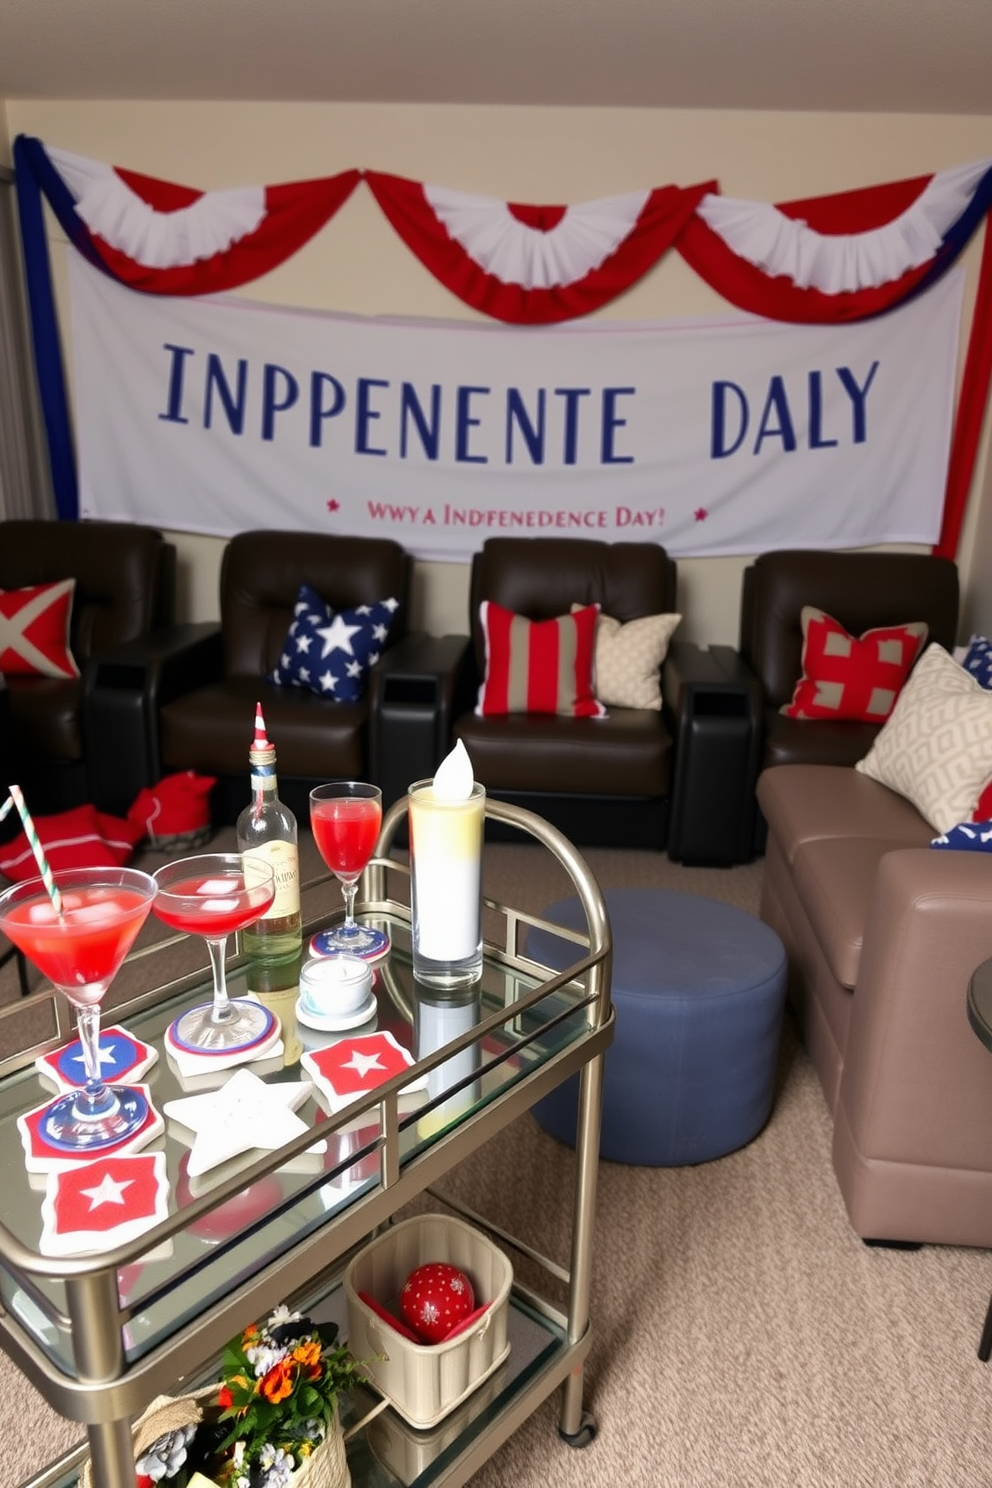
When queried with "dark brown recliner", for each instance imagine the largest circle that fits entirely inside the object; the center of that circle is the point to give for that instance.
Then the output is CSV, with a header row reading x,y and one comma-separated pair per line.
x,y
125,587
860,590
599,780
209,729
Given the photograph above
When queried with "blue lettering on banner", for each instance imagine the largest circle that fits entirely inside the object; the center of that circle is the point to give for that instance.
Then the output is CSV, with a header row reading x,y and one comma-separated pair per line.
x,y
318,411
412,408
234,403
533,433
174,398
730,414
407,422
571,397
276,398
365,415
464,421
611,422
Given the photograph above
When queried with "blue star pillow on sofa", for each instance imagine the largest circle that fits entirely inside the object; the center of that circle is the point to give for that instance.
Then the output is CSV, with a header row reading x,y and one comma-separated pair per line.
x,y
978,660
974,836
329,653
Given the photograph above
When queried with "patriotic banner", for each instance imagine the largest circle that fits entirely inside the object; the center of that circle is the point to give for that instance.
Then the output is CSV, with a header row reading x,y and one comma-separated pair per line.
x,y
715,436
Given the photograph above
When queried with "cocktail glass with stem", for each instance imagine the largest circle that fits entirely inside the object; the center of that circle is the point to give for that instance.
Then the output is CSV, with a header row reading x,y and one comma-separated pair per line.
x,y
79,947
212,895
345,816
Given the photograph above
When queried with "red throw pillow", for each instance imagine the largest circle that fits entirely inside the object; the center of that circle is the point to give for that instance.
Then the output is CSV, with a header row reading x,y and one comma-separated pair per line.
x,y
34,631
538,666
983,810
175,812
854,677
81,838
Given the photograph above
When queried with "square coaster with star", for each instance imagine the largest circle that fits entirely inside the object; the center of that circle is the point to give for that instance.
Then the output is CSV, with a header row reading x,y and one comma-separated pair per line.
x,y
123,1058
244,1113
353,1066
104,1203
41,1156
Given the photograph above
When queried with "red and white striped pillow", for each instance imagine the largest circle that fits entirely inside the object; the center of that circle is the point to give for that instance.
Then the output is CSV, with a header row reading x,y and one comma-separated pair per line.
x,y
80,838
538,666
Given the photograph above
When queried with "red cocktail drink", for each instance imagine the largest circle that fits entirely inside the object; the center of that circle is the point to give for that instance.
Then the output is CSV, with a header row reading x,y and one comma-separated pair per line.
x,y
345,829
214,906
345,816
79,945
80,950
212,895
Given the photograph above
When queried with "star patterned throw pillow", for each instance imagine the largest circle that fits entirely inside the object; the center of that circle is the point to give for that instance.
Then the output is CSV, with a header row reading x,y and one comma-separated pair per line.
x,y
978,660
331,654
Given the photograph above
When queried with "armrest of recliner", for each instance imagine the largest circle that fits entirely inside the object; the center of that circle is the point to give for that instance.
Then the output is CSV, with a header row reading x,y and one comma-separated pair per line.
x,y
415,691
917,1083
123,690
712,702
712,667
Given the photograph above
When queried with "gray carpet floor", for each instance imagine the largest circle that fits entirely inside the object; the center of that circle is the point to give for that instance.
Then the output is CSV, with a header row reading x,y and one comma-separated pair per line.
x,y
744,1337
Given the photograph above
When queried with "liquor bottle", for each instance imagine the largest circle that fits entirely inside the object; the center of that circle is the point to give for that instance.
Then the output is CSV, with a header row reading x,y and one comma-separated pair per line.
x,y
267,829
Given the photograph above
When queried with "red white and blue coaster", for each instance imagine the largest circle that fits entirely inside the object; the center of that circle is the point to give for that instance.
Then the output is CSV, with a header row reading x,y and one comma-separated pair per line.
x,y
353,1066
104,1203
191,1062
42,1155
243,1114
123,1059
325,943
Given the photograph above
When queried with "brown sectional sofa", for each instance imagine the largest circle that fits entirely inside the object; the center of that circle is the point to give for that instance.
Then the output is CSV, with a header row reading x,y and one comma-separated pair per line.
x,y
883,934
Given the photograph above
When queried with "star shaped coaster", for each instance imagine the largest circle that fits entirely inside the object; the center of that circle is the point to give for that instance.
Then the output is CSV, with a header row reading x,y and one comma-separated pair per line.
x,y
354,1066
244,1114
103,1203
123,1058
41,1157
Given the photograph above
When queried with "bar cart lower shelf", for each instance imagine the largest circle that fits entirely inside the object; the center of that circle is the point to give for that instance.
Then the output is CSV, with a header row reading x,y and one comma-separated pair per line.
x,y
519,1034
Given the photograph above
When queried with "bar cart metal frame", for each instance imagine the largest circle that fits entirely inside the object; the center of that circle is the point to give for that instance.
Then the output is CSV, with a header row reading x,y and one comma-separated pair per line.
x,y
106,1382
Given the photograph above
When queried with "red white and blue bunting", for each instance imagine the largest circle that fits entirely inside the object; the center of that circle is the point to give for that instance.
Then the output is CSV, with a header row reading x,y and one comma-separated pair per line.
x,y
828,259
534,265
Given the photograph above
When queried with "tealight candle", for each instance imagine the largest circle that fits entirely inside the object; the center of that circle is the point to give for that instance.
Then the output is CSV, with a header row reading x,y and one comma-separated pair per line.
x,y
334,986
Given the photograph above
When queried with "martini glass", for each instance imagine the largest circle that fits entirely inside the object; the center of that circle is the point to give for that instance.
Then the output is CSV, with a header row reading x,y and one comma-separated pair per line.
x,y
211,895
345,816
80,950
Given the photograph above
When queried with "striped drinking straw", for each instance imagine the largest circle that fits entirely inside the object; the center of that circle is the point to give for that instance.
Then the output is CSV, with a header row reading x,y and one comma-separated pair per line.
x,y
31,832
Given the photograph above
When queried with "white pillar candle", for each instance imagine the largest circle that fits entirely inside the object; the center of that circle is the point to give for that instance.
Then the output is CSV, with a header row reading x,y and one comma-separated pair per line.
x,y
447,816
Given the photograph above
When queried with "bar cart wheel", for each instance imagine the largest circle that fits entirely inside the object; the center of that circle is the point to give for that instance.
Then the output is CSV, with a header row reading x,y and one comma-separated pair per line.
x,y
585,1434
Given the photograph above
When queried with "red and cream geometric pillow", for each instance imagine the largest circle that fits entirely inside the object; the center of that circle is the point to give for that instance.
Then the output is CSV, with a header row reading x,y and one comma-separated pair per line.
x,y
34,631
538,666
853,677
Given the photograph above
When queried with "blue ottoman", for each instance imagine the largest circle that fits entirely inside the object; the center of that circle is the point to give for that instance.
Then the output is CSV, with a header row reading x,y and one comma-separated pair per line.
x,y
699,989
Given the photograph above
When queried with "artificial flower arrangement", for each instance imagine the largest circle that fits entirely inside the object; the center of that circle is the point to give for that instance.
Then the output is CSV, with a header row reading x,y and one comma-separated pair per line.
x,y
275,1406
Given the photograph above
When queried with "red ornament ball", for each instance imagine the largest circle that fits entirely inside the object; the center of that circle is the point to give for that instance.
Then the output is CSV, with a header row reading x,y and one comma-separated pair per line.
x,y
435,1298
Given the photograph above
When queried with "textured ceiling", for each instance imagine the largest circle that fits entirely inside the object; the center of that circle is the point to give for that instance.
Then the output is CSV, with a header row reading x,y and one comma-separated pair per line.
x,y
927,56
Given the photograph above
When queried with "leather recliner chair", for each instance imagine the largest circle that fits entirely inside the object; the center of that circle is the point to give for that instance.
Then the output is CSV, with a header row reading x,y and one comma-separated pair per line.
x,y
125,588
209,728
599,780
860,590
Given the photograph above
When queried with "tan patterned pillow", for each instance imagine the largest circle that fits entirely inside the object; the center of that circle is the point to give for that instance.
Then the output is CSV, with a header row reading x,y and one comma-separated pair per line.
x,y
936,747
628,658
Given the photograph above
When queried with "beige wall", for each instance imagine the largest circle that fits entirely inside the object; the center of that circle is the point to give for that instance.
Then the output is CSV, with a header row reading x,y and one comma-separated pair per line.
x,y
526,154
